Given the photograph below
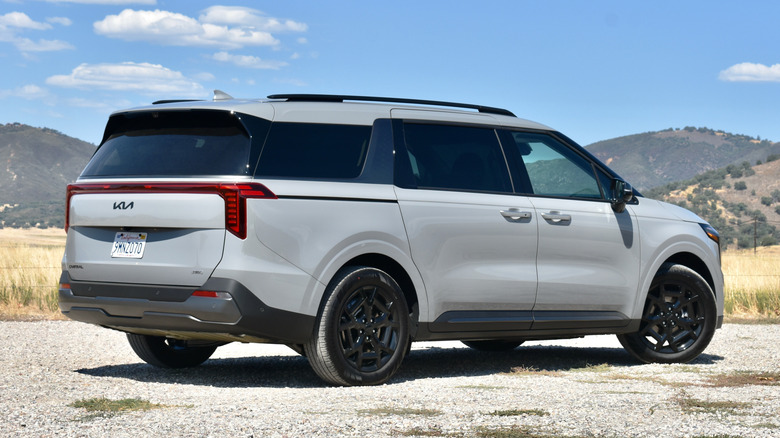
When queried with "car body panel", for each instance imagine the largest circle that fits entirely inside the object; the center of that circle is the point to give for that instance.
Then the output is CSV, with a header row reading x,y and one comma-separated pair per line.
x,y
471,256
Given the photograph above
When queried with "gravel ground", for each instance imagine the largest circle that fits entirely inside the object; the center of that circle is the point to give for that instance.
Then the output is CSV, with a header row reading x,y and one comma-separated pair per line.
x,y
583,387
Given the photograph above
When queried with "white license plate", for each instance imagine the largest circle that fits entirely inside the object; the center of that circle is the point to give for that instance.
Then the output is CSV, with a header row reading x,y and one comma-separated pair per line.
x,y
129,245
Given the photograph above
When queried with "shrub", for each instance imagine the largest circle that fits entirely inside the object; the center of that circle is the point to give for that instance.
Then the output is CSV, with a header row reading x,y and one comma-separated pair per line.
x,y
740,185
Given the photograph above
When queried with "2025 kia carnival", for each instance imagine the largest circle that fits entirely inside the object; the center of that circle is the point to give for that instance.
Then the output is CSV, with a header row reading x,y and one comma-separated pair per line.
x,y
348,227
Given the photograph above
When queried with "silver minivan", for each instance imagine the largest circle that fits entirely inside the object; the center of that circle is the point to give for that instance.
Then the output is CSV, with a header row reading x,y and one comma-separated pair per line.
x,y
348,227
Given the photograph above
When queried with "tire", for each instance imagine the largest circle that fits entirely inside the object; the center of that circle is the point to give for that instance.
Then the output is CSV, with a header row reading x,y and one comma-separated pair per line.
x,y
678,320
169,353
493,344
362,332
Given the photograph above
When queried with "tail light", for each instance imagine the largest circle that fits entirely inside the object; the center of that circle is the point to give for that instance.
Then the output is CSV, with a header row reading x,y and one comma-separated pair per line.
x,y
235,196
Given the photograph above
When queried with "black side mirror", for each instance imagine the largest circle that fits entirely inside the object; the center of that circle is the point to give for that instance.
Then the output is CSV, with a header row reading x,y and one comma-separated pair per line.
x,y
622,193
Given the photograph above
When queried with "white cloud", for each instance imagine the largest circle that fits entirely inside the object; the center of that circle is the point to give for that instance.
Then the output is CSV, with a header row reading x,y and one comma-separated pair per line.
x,y
248,17
22,21
14,22
64,21
223,27
248,61
750,72
27,45
143,78
29,92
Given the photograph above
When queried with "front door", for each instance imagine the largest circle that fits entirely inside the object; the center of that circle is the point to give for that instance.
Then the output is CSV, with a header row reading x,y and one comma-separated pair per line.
x,y
588,257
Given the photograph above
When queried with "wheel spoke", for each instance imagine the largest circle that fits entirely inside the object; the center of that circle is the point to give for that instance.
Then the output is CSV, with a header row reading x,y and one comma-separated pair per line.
x,y
368,329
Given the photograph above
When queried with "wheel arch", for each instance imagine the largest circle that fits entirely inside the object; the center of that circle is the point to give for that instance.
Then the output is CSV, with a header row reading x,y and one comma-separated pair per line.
x,y
686,252
399,274
695,263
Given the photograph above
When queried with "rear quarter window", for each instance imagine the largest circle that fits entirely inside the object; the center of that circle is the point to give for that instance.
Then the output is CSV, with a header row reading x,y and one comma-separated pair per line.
x,y
310,150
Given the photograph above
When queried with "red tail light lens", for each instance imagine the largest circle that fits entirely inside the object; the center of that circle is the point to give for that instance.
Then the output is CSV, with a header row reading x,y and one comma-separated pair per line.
x,y
212,294
235,196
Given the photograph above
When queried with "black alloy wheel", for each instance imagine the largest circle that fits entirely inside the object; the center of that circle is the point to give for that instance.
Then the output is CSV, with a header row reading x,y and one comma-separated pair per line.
x,y
363,331
679,318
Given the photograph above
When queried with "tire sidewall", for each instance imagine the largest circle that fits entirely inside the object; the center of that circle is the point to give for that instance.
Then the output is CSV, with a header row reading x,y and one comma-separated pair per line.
x,y
674,273
329,319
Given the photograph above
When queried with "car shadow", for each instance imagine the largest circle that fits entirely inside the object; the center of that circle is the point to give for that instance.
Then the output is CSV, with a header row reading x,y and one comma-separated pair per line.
x,y
432,362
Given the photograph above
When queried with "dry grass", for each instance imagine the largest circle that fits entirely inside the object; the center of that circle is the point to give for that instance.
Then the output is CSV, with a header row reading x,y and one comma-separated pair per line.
x,y
752,282
30,270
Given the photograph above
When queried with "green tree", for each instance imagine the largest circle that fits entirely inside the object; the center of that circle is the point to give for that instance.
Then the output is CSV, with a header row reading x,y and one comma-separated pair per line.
x,y
740,185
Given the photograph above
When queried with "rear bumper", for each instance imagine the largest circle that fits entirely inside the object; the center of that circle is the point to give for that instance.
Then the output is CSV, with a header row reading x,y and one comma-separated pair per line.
x,y
173,311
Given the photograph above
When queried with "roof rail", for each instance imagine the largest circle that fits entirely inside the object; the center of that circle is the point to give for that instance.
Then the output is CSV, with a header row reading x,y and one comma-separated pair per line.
x,y
164,101
342,98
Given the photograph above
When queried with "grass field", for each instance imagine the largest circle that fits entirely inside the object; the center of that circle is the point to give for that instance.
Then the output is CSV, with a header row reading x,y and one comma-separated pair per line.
x,y
30,270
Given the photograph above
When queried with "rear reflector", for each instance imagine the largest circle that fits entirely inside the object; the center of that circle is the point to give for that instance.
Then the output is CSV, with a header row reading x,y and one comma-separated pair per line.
x,y
235,196
211,294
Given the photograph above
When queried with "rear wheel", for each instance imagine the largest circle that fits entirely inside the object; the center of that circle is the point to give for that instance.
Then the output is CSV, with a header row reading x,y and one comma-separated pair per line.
x,y
169,353
362,333
678,320
493,344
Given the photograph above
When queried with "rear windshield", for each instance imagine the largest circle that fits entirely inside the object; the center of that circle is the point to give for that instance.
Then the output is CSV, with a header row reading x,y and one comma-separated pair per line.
x,y
173,143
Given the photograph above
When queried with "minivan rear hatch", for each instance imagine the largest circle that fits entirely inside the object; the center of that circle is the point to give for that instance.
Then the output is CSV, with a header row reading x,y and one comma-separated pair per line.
x,y
156,201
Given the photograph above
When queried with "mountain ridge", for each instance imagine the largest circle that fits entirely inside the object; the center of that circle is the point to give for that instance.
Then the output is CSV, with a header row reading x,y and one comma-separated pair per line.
x,y
38,165
652,159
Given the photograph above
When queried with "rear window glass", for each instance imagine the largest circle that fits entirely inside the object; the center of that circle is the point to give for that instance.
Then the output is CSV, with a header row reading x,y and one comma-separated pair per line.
x,y
173,143
308,150
456,158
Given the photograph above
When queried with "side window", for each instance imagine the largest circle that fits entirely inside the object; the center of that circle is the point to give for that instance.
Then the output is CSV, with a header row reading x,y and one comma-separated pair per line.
x,y
546,167
456,158
307,150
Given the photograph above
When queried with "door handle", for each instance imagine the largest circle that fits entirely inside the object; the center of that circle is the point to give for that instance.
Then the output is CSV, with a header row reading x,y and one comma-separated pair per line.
x,y
516,214
556,217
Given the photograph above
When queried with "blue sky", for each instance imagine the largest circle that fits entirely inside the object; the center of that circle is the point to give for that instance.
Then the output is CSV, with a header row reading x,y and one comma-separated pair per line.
x,y
593,69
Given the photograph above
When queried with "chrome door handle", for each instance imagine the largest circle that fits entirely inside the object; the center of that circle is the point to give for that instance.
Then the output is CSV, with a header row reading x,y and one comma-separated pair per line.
x,y
556,216
516,214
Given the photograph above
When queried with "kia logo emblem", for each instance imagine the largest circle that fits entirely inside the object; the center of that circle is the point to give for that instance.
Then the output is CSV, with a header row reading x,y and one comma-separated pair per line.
x,y
123,206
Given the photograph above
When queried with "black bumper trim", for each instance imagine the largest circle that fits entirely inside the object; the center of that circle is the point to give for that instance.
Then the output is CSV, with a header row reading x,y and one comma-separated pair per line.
x,y
128,307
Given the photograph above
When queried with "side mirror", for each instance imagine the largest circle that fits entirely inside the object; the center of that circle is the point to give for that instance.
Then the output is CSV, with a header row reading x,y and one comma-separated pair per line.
x,y
622,193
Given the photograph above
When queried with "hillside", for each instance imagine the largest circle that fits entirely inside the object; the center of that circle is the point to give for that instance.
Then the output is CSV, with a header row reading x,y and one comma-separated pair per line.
x,y
653,159
38,165
741,201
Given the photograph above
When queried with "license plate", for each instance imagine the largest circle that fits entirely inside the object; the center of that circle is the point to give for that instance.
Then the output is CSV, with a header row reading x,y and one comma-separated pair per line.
x,y
129,245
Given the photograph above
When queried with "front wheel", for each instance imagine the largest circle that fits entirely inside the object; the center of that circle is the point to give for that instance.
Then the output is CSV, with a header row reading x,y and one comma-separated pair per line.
x,y
169,353
362,332
679,318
